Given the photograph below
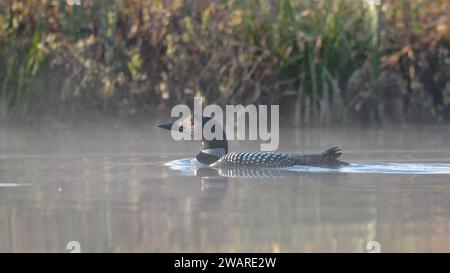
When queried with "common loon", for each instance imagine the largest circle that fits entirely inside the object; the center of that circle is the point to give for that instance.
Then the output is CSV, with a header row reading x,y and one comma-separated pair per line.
x,y
214,153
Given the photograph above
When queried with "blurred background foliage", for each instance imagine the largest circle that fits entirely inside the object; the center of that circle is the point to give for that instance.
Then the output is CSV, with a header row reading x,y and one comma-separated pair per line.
x,y
323,61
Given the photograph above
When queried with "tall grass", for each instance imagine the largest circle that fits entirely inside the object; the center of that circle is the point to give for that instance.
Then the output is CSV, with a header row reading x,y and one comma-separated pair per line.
x,y
319,44
326,61
20,67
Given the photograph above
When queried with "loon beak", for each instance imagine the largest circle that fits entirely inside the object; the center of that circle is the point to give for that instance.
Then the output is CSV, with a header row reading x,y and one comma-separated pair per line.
x,y
170,126
167,126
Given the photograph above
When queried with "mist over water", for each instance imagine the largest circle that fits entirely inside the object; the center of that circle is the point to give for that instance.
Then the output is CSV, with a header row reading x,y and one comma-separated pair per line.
x,y
109,189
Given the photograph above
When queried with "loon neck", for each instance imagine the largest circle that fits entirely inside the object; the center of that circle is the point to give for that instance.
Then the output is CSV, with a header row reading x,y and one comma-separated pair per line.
x,y
212,150
209,156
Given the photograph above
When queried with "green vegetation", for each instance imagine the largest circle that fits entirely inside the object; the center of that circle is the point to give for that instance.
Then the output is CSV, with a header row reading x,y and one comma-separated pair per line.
x,y
327,61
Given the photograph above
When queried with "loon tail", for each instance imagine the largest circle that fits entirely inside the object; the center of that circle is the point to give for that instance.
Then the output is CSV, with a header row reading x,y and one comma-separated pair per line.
x,y
329,159
332,153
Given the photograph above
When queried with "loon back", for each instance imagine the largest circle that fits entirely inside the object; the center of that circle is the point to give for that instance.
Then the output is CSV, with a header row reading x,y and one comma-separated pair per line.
x,y
215,152
328,159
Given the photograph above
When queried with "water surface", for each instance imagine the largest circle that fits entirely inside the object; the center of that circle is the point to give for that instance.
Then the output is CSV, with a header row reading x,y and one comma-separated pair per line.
x,y
109,189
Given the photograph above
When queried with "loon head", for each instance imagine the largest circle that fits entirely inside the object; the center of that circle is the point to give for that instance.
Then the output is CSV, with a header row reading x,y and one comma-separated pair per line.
x,y
212,149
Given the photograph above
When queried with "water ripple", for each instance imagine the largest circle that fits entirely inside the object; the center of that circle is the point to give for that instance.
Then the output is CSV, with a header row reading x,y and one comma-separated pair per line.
x,y
397,168
188,167
11,185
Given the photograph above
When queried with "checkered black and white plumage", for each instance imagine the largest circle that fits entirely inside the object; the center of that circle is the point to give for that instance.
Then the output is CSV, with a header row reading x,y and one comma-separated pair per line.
x,y
279,160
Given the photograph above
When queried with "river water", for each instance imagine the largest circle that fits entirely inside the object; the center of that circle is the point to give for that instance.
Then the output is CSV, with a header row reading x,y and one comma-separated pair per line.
x,y
111,189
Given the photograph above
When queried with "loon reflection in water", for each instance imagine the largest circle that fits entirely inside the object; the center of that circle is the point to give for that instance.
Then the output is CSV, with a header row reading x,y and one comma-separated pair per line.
x,y
189,167
214,152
